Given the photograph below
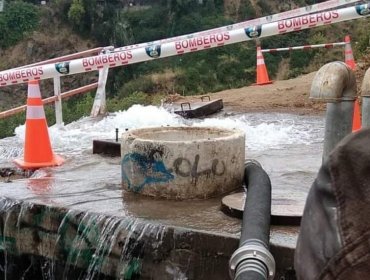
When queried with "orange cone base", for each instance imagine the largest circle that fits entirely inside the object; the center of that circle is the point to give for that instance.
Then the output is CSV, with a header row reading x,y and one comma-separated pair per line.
x,y
351,64
56,161
261,84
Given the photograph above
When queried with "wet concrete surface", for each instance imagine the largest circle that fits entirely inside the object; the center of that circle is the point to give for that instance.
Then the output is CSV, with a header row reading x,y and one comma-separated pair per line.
x,y
92,183
87,189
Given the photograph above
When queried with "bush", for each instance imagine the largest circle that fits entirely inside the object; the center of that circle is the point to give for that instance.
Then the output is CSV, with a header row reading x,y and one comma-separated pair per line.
x,y
247,10
17,19
265,7
77,107
76,12
8,125
142,84
118,104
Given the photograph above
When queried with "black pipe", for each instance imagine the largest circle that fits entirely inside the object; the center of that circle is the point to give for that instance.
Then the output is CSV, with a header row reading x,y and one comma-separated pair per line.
x,y
252,260
257,209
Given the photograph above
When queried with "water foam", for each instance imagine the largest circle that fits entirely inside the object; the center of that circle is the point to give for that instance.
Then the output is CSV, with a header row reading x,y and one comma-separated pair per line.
x,y
263,131
272,131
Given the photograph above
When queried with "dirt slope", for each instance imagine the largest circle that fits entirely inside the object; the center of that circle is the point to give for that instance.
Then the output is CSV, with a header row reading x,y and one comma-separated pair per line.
x,y
291,96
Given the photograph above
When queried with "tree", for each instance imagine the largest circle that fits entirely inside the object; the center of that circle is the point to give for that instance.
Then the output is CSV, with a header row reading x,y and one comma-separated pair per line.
x,y
76,13
17,19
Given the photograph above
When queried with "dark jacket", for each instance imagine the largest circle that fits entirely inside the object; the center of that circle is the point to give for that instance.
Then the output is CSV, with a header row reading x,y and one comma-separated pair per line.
x,y
334,239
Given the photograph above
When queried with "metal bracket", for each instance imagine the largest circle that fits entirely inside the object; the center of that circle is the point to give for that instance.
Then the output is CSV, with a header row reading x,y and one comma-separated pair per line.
x,y
202,97
185,103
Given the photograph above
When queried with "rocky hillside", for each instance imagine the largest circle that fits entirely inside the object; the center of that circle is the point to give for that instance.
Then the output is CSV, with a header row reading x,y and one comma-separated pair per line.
x,y
52,39
134,22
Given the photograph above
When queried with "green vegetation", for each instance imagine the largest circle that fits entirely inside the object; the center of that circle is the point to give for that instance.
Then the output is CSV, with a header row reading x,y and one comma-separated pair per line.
x,y
76,13
112,22
77,107
8,125
18,19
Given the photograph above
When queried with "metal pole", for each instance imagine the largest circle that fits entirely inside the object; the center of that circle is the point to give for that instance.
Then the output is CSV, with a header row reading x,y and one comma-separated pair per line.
x,y
306,47
365,111
338,124
58,102
365,93
335,83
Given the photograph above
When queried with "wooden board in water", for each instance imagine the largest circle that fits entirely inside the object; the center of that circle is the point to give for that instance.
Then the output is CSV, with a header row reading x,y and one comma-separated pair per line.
x,y
283,211
199,109
107,147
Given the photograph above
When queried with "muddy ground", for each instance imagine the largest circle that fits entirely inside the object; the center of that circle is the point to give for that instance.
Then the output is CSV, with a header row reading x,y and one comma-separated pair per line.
x,y
288,96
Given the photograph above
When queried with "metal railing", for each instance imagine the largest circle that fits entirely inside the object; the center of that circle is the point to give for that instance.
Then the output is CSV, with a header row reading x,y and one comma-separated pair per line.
x,y
49,100
57,88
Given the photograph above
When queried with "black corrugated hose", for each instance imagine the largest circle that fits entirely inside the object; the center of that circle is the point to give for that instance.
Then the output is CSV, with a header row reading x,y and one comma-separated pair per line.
x,y
252,260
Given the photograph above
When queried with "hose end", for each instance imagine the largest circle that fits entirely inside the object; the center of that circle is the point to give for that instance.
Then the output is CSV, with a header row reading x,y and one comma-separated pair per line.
x,y
252,256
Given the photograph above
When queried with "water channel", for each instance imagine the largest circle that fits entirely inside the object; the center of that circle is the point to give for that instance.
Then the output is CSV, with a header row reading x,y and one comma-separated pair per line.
x,y
289,147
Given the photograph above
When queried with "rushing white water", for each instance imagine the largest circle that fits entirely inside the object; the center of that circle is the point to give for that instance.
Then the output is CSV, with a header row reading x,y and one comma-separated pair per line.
x,y
263,131
289,147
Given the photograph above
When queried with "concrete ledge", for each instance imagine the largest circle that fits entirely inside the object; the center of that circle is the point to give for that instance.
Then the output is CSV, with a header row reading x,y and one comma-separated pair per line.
x,y
112,246
93,244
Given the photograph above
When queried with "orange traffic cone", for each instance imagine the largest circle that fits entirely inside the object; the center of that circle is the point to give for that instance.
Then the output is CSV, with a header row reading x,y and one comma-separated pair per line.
x,y
262,75
356,123
37,147
348,54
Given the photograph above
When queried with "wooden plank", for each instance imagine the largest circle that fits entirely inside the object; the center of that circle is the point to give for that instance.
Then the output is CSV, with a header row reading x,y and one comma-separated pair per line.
x,y
199,109
283,211
107,147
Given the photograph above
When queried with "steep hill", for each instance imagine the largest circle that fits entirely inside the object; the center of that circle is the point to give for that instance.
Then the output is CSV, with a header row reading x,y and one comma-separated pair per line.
x,y
227,67
284,96
54,39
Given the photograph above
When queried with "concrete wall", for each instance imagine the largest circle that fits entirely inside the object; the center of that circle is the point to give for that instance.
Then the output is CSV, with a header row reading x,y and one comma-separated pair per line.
x,y
119,247
66,244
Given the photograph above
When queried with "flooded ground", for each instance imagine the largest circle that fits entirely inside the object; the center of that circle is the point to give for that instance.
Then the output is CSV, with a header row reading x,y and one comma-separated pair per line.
x,y
289,147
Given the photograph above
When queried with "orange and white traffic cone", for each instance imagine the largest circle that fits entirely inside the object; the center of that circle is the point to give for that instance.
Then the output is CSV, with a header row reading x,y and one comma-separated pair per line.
x,y
356,123
37,147
262,75
348,54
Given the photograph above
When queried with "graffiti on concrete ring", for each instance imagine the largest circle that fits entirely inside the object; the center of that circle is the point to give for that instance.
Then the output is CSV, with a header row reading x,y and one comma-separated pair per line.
x,y
184,168
139,170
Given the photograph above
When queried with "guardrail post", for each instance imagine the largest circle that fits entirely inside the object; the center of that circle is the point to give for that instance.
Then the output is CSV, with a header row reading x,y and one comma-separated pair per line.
x,y
58,102
99,106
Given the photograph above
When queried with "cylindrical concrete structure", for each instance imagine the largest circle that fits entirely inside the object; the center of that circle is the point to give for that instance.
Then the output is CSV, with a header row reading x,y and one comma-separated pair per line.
x,y
182,162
